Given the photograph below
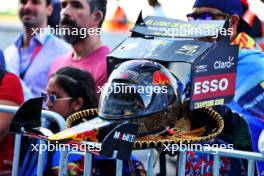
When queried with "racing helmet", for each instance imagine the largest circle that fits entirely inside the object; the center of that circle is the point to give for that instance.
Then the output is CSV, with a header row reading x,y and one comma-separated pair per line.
x,y
142,92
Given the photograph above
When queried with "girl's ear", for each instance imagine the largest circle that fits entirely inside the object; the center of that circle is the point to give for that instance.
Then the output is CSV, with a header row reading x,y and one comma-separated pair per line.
x,y
77,104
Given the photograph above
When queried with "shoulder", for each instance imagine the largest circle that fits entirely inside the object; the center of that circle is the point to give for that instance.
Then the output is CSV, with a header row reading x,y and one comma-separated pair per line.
x,y
250,64
59,62
11,89
55,48
10,50
11,55
58,42
14,46
105,50
10,77
100,54
63,58
251,57
10,80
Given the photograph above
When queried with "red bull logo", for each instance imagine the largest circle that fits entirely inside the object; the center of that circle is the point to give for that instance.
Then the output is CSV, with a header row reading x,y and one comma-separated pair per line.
x,y
160,78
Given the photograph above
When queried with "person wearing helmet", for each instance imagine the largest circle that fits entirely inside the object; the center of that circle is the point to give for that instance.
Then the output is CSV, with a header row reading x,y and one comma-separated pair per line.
x,y
248,100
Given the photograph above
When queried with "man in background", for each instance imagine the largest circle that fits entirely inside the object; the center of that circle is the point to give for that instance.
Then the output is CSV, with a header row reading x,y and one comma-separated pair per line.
x,y
248,101
34,50
89,53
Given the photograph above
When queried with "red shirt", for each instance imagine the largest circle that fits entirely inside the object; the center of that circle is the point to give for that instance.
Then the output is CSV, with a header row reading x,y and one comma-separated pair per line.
x,y
11,90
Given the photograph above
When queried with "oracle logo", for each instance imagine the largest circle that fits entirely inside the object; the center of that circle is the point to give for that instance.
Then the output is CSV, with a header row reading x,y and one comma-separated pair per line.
x,y
210,86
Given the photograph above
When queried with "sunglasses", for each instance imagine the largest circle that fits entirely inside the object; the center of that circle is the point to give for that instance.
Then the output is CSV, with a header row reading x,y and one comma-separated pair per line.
x,y
53,98
206,16
35,2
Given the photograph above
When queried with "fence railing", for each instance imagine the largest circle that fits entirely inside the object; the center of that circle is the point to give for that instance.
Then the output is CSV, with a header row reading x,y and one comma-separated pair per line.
x,y
45,117
251,157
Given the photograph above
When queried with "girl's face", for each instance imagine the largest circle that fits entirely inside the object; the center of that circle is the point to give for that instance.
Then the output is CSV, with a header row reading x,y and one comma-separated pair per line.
x,y
63,104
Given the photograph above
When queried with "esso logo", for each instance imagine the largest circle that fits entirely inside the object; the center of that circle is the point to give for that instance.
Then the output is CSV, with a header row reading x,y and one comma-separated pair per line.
x,y
210,86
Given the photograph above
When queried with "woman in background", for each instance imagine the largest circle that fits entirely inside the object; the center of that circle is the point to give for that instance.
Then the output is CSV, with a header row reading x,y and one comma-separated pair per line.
x,y
11,94
70,90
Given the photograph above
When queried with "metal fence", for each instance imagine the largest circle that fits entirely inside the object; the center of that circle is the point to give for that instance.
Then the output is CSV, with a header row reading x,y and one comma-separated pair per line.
x,y
251,157
45,117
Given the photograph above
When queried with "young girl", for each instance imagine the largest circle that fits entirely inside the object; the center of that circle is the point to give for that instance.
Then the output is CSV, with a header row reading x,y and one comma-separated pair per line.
x,y
71,90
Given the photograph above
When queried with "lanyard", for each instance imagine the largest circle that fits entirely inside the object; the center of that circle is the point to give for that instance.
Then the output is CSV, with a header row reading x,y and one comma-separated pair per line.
x,y
33,56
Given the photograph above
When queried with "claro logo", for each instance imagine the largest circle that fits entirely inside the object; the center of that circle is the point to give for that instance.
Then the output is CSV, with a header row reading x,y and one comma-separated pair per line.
x,y
224,64
211,86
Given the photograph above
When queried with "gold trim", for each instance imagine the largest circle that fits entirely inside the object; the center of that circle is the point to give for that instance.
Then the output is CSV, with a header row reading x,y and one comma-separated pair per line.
x,y
157,141
80,115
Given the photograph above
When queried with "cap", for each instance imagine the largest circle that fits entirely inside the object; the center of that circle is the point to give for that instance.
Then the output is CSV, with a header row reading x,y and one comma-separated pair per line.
x,y
230,7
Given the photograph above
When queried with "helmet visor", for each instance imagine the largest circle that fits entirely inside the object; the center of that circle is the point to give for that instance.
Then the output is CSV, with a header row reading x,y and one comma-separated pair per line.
x,y
124,100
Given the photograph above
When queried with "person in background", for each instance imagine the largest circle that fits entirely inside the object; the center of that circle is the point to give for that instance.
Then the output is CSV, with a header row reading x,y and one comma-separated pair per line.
x,y
255,22
33,51
243,116
68,90
11,94
74,90
89,53
61,97
252,19
54,18
157,8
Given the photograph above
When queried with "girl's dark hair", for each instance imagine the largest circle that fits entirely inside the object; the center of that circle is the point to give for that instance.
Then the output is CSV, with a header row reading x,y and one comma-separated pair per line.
x,y
77,83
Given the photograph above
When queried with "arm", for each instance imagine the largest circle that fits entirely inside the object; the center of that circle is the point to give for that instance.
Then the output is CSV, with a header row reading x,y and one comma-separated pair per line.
x,y
5,119
10,94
